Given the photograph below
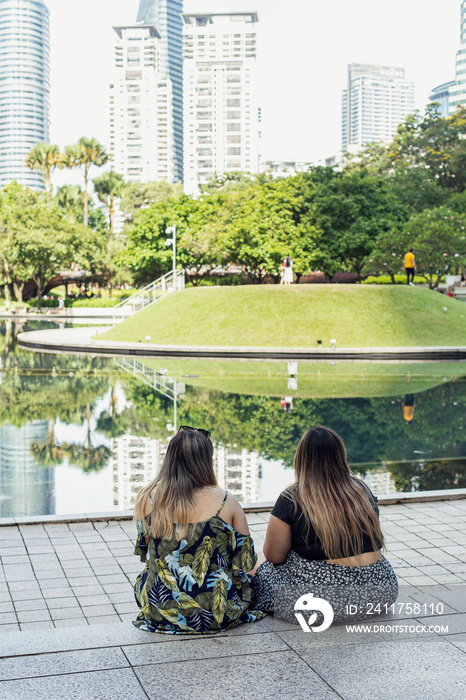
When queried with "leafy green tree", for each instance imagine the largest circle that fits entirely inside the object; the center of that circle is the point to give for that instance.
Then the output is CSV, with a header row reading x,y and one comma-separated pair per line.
x,y
350,210
86,153
45,157
439,240
141,195
69,198
109,187
387,256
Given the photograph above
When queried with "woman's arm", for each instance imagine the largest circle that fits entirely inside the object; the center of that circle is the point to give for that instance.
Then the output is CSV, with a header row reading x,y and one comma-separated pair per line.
x,y
277,540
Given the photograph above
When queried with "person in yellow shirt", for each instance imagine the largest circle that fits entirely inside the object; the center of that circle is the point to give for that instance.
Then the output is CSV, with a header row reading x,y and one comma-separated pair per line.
x,y
408,408
410,266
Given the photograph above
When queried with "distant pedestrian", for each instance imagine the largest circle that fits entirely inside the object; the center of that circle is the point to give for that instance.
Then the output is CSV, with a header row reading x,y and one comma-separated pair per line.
x,y
410,267
408,408
282,272
288,273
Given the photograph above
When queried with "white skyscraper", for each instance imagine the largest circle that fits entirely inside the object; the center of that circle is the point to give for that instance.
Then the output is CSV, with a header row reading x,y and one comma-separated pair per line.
x,y
24,87
221,117
376,100
457,92
141,136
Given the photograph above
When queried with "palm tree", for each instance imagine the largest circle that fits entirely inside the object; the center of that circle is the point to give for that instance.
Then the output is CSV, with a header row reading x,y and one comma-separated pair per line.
x,y
69,197
109,188
45,157
84,154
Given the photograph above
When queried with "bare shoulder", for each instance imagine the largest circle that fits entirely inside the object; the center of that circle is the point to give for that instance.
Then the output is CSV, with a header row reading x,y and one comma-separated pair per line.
x,y
233,513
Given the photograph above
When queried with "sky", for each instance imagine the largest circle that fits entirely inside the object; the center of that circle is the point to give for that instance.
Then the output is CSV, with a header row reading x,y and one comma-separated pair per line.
x,y
304,47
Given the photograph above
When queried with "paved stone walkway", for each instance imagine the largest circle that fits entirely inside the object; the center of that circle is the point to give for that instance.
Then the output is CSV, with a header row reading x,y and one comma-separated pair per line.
x,y
65,589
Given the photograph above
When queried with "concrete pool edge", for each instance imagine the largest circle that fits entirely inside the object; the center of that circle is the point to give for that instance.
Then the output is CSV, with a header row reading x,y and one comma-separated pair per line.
x,y
80,340
264,507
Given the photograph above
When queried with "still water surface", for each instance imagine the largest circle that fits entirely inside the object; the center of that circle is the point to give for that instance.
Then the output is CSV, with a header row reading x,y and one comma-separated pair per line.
x,y
83,434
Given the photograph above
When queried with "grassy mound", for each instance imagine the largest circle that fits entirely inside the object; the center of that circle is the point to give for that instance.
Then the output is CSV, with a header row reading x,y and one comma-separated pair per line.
x,y
317,380
297,316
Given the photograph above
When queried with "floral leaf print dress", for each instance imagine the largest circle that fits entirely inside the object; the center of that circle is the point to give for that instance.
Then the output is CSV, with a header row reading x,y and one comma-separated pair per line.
x,y
199,584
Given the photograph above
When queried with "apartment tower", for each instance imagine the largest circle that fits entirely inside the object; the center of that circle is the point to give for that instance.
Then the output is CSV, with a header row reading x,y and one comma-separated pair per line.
x,y
376,100
24,87
457,92
221,116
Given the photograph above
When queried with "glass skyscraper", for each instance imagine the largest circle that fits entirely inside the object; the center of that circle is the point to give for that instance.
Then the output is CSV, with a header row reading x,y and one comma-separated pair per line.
x,y
166,16
24,87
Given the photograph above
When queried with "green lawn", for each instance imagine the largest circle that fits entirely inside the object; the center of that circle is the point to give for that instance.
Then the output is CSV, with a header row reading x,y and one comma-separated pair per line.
x,y
296,316
315,379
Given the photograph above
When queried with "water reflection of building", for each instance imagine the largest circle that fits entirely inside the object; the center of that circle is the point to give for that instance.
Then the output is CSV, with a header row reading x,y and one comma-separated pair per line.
x,y
237,471
134,461
380,481
26,487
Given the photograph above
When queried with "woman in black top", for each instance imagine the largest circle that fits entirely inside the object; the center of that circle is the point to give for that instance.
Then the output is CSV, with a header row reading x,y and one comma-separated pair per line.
x,y
324,538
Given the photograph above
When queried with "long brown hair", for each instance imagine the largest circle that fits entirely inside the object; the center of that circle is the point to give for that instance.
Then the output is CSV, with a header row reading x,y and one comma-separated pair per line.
x,y
187,466
330,497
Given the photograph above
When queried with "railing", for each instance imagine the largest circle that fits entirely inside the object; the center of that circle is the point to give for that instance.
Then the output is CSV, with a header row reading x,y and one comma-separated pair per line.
x,y
158,380
152,292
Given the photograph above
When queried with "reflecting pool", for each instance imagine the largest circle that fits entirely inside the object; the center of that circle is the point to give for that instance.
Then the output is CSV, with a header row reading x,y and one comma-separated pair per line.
x,y
83,434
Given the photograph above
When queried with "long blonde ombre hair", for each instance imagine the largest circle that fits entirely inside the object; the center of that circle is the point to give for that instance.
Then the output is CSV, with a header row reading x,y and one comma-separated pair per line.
x,y
187,466
330,497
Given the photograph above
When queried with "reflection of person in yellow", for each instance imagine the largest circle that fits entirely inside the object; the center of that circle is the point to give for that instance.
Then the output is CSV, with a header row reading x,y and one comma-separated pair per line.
x,y
410,266
408,408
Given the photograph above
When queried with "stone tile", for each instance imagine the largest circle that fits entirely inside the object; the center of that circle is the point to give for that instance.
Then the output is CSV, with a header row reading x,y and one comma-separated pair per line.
x,y
7,607
26,594
93,589
288,677
456,623
62,592
8,618
98,610
99,599
72,622
75,581
16,559
127,607
5,597
65,662
419,580
22,572
392,670
44,624
35,604
66,613
95,685
45,575
121,597
211,648
104,620
8,629
56,603
36,615
112,579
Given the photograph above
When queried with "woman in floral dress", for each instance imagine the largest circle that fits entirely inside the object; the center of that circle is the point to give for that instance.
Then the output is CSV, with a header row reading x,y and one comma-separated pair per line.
x,y
196,540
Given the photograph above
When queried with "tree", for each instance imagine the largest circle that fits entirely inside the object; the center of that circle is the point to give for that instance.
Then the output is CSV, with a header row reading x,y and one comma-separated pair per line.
x,y
69,197
109,187
438,237
141,195
350,209
85,154
387,256
45,157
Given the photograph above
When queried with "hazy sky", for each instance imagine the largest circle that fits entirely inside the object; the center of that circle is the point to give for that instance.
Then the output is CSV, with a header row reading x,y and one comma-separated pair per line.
x,y
303,52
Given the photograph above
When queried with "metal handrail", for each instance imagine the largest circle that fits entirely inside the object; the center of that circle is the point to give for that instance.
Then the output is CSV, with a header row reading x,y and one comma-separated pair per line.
x,y
153,292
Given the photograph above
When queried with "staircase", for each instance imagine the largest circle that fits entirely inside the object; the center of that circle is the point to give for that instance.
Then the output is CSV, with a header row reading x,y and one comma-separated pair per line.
x,y
152,292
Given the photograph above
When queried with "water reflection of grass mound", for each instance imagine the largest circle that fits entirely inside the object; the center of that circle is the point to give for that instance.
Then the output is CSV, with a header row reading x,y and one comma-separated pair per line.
x,y
314,379
297,316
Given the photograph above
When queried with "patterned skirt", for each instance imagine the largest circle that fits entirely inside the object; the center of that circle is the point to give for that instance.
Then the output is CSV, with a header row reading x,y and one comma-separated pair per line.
x,y
354,592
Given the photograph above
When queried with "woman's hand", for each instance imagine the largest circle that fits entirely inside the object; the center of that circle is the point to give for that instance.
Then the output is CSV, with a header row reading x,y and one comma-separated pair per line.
x,y
277,540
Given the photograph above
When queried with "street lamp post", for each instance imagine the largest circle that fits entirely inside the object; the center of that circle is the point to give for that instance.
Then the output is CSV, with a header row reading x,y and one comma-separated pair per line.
x,y
172,241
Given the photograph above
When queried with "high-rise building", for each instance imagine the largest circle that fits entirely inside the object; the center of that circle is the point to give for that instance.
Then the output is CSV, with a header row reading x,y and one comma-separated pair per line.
x,y
166,16
441,94
377,99
457,91
24,87
141,139
221,115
